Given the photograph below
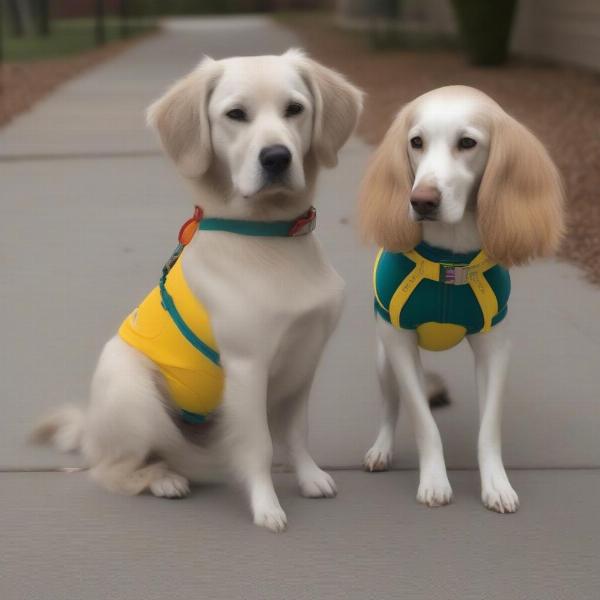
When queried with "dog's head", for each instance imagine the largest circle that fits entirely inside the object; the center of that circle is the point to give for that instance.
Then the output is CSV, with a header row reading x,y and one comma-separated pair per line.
x,y
455,150
259,125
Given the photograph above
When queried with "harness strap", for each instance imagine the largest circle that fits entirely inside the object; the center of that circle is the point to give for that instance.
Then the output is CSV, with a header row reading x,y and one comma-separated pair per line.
x,y
186,332
423,269
375,267
482,289
428,269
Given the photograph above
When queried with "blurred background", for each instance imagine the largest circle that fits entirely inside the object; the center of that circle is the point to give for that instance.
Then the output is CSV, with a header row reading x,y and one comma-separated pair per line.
x,y
539,58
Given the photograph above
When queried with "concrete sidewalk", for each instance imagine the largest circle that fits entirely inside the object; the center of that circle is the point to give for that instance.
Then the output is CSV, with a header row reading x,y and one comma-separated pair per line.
x,y
71,540
91,211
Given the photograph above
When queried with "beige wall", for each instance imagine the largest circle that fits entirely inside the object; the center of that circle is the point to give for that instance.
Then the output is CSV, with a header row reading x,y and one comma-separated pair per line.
x,y
559,30
562,30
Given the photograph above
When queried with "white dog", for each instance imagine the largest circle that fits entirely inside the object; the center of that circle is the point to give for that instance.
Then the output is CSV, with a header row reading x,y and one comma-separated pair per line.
x,y
250,135
454,175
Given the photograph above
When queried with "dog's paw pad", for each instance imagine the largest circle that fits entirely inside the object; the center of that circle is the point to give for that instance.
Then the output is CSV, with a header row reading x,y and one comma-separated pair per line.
x,y
317,484
377,459
170,485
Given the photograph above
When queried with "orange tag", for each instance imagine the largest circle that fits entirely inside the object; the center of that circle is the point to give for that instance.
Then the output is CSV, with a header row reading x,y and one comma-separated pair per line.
x,y
304,224
189,228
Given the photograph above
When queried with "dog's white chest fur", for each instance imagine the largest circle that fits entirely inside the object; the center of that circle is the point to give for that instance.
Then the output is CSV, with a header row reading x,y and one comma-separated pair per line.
x,y
272,299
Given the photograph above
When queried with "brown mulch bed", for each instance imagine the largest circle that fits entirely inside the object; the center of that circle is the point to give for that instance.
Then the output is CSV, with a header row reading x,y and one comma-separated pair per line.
x,y
560,104
22,84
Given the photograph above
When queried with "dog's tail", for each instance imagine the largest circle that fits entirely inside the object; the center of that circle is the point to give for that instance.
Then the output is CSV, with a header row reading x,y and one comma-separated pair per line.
x,y
436,389
62,429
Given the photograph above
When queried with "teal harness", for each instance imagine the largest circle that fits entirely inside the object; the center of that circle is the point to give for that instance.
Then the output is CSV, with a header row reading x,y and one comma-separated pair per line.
x,y
442,295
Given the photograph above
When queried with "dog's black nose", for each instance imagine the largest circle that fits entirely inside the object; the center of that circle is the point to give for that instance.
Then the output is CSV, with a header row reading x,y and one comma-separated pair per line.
x,y
275,159
425,200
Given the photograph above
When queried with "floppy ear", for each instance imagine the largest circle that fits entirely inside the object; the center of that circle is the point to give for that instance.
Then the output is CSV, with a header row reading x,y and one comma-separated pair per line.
x,y
520,200
181,119
337,107
383,206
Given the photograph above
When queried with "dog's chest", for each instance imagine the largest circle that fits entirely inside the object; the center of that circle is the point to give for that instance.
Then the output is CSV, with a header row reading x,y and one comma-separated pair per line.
x,y
265,296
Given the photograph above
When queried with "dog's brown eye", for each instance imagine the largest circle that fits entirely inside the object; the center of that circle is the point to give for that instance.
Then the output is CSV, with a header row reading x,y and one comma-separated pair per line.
x,y
416,142
293,109
237,114
465,143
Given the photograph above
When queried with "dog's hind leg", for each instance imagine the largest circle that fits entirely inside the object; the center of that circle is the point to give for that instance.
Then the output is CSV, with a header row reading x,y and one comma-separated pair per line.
x,y
127,424
130,476
379,457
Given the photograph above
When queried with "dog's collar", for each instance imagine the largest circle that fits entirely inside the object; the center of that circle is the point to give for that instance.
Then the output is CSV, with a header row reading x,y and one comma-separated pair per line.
x,y
302,225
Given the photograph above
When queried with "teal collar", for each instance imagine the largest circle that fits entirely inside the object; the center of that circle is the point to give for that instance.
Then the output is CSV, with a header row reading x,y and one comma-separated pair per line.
x,y
443,255
302,225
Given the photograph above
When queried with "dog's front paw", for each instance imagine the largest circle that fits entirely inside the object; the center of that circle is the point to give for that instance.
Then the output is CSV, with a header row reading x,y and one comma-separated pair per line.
x,y
434,489
317,484
378,459
170,485
272,517
498,495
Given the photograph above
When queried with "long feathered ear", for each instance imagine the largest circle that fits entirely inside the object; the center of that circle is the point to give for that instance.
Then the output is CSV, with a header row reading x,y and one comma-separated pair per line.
x,y
521,197
181,119
384,199
337,107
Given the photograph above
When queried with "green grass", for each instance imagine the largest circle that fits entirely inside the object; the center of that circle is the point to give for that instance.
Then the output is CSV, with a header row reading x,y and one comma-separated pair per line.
x,y
67,37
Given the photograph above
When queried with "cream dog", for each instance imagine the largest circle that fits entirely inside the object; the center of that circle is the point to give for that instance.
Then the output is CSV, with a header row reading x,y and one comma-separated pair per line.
x,y
249,134
457,192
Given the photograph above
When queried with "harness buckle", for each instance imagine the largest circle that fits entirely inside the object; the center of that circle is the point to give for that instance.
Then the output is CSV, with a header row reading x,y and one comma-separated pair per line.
x,y
455,275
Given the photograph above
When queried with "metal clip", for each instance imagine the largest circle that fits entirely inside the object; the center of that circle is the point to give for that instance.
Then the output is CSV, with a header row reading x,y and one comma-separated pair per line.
x,y
172,260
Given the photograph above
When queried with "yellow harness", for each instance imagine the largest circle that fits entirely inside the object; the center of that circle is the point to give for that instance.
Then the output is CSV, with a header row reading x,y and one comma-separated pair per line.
x,y
172,327
194,381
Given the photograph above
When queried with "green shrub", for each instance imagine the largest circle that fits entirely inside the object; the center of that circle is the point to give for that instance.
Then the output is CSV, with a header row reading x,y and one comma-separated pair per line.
x,y
485,28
